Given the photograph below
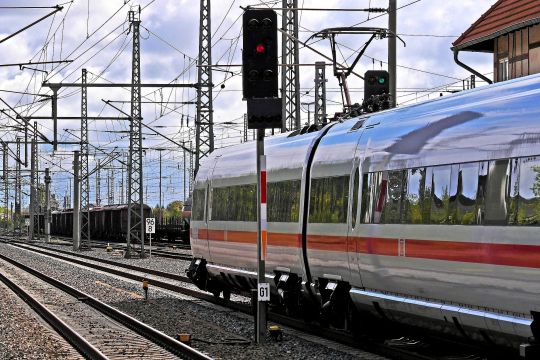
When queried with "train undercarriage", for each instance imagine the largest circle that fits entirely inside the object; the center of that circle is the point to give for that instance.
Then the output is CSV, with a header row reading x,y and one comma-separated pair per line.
x,y
334,304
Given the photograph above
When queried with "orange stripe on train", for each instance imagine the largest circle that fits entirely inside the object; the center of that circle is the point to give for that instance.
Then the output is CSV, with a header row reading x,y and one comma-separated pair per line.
x,y
470,252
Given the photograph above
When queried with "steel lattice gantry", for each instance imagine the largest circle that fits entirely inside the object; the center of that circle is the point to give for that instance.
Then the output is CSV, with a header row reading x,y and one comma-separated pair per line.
x,y
204,137
135,224
85,181
290,80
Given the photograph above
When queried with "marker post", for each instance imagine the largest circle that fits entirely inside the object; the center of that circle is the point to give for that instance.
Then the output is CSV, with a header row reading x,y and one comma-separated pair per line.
x,y
150,229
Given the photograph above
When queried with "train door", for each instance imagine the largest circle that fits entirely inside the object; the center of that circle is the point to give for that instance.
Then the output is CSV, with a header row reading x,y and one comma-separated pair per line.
x,y
355,194
200,212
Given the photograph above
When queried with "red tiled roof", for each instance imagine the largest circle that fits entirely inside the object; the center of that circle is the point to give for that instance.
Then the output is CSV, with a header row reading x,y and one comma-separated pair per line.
x,y
504,14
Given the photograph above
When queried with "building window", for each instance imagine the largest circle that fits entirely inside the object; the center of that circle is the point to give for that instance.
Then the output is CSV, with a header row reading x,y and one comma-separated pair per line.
x,y
502,74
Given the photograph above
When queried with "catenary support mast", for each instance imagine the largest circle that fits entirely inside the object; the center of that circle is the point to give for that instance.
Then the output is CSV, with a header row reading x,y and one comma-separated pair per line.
x,y
6,186
392,52
34,222
290,80
204,125
18,187
135,233
85,181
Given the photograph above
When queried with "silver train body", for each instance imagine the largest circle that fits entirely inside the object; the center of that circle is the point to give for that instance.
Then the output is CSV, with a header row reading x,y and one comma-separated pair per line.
x,y
426,214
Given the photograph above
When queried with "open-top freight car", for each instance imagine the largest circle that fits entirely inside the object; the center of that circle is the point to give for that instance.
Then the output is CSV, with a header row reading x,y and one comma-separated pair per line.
x,y
106,222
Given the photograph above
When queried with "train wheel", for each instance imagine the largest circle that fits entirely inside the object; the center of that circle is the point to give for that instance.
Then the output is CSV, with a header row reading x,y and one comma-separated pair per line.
x,y
227,294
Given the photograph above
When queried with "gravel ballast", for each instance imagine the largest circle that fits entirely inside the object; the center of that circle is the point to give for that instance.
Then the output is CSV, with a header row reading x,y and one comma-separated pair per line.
x,y
24,335
219,332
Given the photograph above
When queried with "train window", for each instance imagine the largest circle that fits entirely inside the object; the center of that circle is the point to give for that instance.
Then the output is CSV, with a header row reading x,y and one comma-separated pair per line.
x,y
495,202
512,192
465,206
220,204
499,192
329,200
453,194
396,190
283,200
356,185
481,194
242,203
440,195
366,205
198,205
415,204
235,203
374,189
529,191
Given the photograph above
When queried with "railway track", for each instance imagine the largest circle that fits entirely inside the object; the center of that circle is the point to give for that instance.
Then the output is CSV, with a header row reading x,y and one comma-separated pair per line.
x,y
107,333
155,251
397,347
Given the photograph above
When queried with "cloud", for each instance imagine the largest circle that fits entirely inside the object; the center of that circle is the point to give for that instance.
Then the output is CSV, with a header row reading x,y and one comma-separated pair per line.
x,y
172,42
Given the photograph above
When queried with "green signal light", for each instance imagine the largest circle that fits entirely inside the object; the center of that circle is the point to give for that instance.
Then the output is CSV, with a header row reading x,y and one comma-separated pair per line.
x,y
382,80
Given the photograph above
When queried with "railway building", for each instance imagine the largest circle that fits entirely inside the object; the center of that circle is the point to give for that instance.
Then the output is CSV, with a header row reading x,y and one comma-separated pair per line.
x,y
510,30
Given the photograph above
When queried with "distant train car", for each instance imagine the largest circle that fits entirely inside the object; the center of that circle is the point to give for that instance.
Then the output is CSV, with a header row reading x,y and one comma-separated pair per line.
x,y
427,215
106,222
173,229
186,210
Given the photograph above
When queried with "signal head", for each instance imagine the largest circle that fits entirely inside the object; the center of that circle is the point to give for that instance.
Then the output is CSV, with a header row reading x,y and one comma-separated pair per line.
x,y
253,24
259,55
267,23
260,49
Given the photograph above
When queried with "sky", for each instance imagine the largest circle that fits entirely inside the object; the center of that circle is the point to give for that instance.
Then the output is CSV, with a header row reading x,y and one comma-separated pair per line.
x,y
96,35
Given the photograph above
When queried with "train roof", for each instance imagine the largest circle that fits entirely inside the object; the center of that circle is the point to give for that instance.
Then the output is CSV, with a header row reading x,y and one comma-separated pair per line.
x,y
495,121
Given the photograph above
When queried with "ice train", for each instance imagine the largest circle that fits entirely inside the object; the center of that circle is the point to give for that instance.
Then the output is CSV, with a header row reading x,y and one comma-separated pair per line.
x,y
426,214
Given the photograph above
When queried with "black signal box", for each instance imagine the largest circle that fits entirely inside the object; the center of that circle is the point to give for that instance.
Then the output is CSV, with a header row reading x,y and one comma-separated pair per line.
x,y
264,113
259,54
376,82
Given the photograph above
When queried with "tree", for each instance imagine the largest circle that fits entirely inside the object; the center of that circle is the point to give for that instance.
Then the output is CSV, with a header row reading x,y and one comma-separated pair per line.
x,y
174,209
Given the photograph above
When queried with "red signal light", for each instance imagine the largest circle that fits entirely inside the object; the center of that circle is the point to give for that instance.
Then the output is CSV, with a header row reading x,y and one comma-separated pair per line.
x,y
260,49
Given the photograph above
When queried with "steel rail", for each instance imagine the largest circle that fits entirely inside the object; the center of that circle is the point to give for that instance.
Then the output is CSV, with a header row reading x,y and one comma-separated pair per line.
x,y
73,337
51,252
366,344
139,327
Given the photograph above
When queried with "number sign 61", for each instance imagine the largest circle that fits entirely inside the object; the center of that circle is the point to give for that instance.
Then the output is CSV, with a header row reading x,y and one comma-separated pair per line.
x,y
263,292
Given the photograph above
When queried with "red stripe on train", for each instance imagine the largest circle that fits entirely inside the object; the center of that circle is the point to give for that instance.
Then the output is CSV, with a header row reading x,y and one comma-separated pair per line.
x,y
263,187
469,252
